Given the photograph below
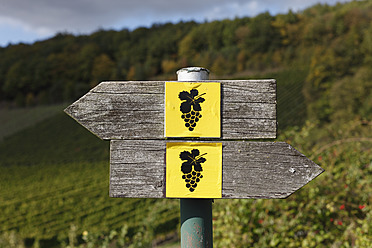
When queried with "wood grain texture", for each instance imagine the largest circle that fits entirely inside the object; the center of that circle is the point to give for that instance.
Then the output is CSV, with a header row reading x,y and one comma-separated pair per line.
x,y
135,110
250,169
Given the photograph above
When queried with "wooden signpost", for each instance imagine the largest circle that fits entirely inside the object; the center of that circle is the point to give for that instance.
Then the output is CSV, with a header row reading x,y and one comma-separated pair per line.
x,y
189,139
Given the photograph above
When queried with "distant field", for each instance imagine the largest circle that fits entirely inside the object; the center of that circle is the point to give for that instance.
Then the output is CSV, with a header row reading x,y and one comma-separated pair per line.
x,y
14,120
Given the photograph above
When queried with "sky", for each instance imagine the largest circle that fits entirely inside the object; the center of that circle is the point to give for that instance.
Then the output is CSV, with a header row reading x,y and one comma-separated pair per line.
x,y
28,21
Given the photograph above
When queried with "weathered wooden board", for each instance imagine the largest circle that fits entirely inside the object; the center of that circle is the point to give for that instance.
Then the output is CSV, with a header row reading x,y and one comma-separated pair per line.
x,y
135,109
250,169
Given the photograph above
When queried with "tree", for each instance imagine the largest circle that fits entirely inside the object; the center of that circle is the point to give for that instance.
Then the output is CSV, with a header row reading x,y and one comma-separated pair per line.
x,y
103,69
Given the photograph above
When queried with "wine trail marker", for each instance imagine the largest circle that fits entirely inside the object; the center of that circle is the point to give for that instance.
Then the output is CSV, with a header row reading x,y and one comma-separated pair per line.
x,y
188,139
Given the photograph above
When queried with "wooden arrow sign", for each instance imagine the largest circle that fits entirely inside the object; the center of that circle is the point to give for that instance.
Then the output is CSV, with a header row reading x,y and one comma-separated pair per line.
x,y
135,110
144,162
250,169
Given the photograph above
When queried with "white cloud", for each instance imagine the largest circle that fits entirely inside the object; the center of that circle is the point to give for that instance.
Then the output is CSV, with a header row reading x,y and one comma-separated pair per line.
x,y
232,9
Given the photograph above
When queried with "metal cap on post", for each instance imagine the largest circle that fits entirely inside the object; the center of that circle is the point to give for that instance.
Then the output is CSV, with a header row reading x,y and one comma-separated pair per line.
x,y
192,74
196,214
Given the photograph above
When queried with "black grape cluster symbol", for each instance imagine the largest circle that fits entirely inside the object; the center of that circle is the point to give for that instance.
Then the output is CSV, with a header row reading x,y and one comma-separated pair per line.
x,y
191,168
190,107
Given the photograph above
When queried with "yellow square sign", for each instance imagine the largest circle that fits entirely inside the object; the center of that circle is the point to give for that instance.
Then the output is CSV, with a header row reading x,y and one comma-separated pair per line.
x,y
193,170
192,109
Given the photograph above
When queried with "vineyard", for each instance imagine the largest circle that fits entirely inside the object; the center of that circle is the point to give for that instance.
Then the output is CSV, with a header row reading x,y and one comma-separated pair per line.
x,y
42,200
49,200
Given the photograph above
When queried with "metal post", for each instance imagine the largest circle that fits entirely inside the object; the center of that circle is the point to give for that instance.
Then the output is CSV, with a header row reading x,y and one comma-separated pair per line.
x,y
196,214
196,223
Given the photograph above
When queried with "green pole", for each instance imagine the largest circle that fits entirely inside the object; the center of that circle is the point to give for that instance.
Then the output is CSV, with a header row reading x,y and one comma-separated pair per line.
x,y
196,214
196,223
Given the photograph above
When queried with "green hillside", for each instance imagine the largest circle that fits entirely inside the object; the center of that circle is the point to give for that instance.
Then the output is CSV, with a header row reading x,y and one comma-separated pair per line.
x,y
55,140
15,120
54,174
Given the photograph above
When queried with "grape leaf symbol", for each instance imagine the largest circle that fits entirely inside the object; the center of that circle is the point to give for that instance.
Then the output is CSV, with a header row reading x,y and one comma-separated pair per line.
x,y
190,99
192,159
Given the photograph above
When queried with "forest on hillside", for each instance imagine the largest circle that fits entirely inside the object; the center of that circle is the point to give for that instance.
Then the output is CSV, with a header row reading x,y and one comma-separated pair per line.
x,y
332,45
